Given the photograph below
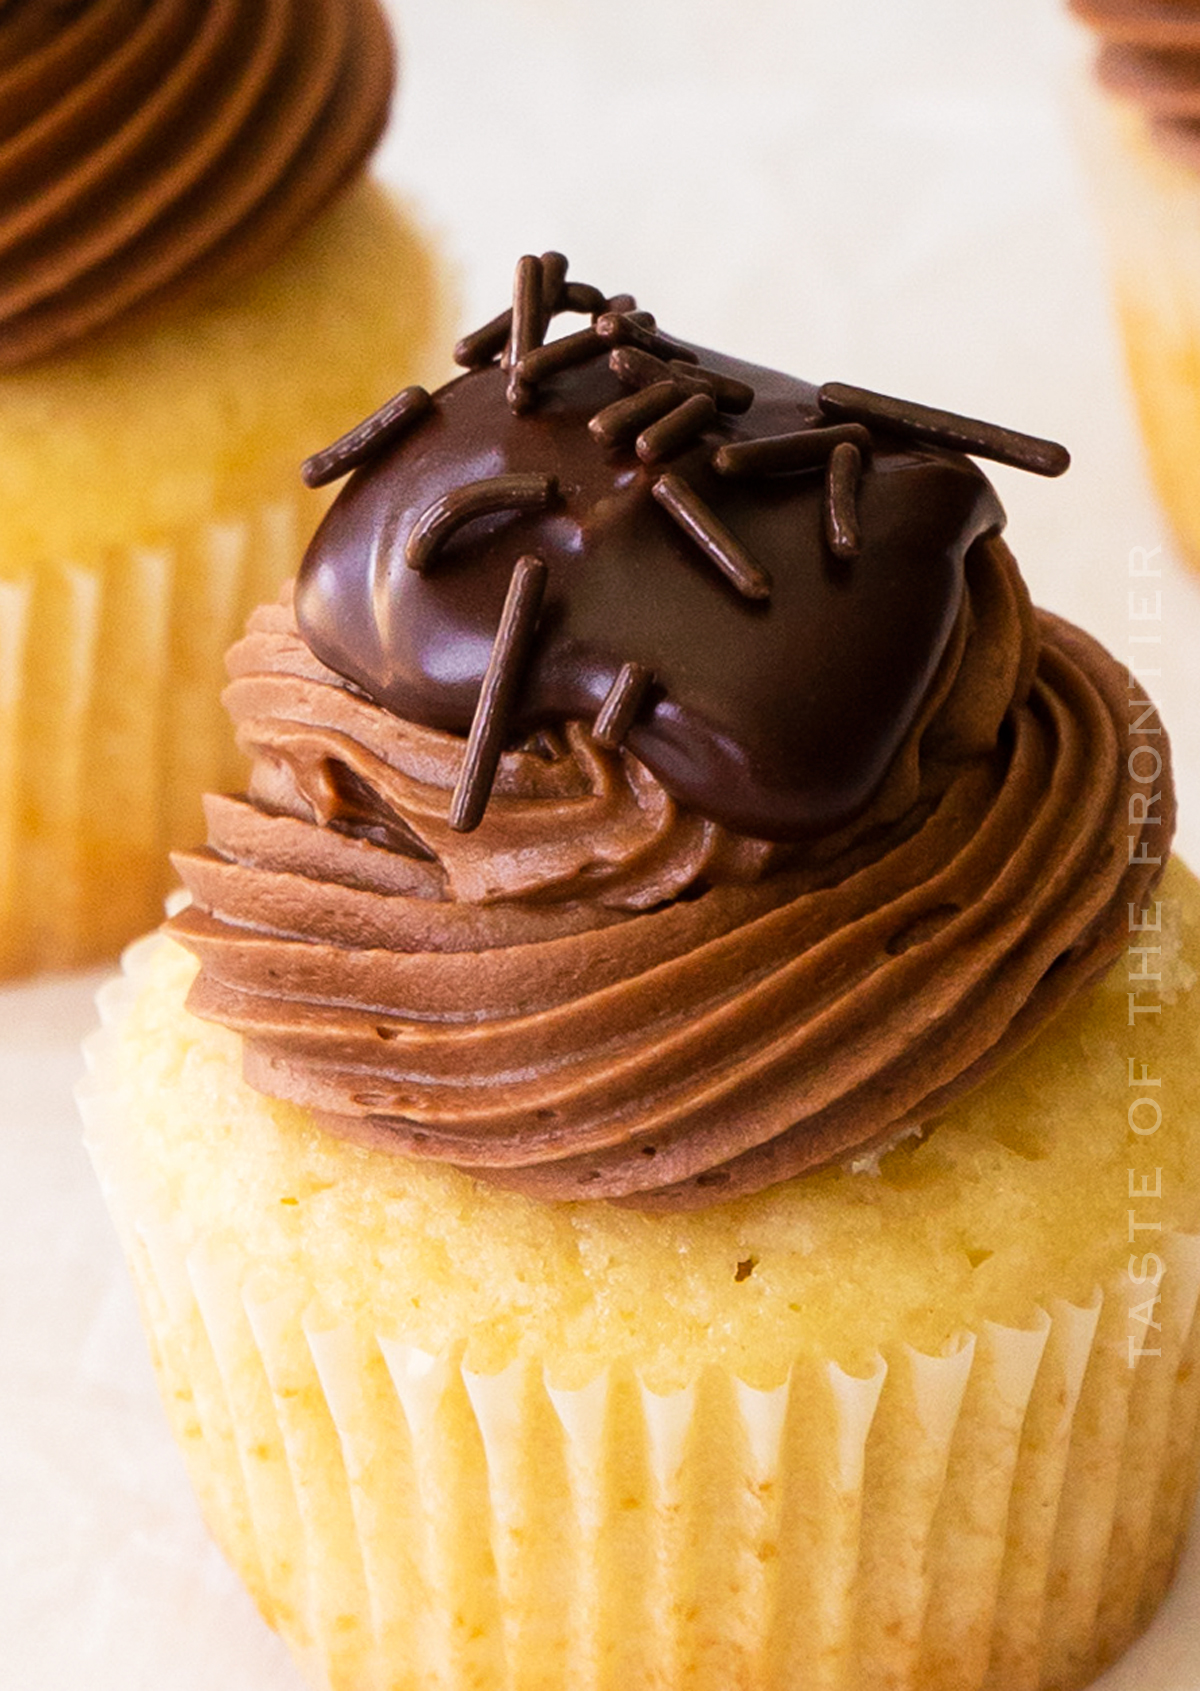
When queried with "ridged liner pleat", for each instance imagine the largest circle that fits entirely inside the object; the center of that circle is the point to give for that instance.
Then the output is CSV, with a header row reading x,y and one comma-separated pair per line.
x,y
1005,1515
111,726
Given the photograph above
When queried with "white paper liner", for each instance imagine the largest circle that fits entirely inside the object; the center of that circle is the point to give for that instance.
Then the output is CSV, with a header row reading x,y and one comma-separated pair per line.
x,y
1005,1515
111,725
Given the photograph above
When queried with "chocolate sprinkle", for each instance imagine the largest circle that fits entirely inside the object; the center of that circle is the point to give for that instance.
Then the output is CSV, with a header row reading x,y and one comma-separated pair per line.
x,y
680,426
558,355
435,525
581,296
945,428
842,475
807,449
626,418
502,678
481,346
729,393
637,369
623,329
712,537
528,327
368,439
620,302
554,277
621,703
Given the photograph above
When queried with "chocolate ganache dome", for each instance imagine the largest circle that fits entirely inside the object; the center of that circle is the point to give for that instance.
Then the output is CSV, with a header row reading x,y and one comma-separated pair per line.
x,y
662,783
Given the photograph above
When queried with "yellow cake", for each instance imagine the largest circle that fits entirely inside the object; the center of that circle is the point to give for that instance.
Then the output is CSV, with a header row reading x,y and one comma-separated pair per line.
x,y
163,373
315,1309
585,1240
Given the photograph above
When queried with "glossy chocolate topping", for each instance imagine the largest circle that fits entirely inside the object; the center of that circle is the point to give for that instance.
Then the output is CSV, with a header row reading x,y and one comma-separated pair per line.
x,y
778,716
1150,54
592,971
150,145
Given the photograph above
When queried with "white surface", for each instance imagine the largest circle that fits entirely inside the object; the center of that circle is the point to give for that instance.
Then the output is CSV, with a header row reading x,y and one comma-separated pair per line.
x,y
866,192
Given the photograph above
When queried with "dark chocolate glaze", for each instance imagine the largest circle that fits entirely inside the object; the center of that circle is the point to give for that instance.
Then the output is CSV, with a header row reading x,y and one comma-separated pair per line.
x,y
778,717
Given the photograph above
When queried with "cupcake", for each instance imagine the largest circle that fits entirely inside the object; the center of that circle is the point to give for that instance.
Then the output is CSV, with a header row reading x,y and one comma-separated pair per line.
x,y
1145,134
661,1146
198,285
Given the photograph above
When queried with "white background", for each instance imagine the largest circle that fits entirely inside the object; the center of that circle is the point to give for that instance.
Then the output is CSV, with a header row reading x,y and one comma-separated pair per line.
x,y
868,192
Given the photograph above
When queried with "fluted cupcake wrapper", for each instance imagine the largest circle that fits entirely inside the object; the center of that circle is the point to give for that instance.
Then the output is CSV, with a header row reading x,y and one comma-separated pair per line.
x,y
1150,206
111,725
1008,1513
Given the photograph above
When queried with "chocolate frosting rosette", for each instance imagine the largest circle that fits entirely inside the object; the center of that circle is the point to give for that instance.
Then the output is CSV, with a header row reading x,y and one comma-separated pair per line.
x,y
145,147
782,817
648,1151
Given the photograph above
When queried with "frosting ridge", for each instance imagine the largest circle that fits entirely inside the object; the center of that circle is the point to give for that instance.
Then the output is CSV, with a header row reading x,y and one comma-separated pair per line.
x,y
147,145
662,784
647,1008
1150,55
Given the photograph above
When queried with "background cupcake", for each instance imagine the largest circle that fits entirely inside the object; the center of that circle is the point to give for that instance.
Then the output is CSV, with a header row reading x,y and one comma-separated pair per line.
x,y
676,1225
197,287
1145,137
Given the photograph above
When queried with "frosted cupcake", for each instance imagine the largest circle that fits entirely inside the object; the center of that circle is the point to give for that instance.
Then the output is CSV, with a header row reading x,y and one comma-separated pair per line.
x,y
1146,140
629,1154
197,287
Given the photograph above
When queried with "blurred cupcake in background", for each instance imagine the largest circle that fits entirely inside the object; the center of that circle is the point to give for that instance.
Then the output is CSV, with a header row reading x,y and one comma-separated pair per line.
x,y
1147,141
198,286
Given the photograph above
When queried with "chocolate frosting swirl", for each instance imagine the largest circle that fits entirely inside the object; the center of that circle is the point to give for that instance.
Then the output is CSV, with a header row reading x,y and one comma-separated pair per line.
x,y
147,146
1150,54
780,919
599,994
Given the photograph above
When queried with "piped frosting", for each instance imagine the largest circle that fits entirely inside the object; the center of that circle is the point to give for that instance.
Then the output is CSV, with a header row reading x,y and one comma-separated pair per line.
x,y
616,982
1150,55
150,146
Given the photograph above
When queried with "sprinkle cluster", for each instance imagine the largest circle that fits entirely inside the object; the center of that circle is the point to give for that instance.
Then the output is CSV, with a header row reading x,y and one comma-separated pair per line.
x,y
672,401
